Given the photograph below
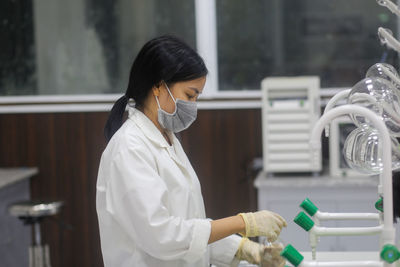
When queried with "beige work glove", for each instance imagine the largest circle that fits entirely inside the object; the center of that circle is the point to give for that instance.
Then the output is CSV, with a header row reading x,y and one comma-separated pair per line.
x,y
249,251
255,253
271,256
263,223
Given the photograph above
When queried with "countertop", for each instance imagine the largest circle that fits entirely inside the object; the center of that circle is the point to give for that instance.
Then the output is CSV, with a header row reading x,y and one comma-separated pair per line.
x,y
9,176
263,180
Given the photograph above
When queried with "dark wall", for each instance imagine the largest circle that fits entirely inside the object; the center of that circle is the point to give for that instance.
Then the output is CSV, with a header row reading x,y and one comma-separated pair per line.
x,y
66,147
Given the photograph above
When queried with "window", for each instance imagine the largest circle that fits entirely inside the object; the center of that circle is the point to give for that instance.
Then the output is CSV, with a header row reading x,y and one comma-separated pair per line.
x,y
87,46
334,39
17,55
82,46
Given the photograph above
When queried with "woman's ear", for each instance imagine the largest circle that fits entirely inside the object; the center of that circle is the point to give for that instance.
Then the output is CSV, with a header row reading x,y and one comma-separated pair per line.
x,y
156,89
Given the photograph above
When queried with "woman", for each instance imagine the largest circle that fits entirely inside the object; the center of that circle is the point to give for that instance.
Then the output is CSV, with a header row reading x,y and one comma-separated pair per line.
x,y
149,202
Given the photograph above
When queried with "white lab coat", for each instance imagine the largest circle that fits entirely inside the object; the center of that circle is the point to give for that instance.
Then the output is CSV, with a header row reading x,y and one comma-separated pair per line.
x,y
149,203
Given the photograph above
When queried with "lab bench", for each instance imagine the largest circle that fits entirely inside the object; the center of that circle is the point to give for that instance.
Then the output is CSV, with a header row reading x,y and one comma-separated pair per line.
x,y
15,237
284,194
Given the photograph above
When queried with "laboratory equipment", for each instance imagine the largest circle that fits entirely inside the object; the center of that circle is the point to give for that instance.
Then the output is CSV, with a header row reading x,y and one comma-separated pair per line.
x,y
361,151
384,71
390,5
379,70
385,227
386,38
319,216
332,194
379,96
342,95
373,105
340,128
290,108
389,253
386,35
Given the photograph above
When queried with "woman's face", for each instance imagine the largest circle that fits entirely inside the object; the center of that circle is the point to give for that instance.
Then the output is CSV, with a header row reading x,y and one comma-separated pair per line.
x,y
188,91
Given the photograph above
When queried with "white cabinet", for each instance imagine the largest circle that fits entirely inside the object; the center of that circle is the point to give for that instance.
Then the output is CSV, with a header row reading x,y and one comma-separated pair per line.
x,y
290,108
284,195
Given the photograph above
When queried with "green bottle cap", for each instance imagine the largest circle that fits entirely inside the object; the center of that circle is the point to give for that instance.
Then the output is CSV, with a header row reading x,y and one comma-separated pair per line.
x,y
292,255
304,221
390,253
309,207
379,204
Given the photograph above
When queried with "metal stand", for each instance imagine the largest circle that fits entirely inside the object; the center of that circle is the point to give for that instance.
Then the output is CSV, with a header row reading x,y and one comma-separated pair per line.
x,y
32,213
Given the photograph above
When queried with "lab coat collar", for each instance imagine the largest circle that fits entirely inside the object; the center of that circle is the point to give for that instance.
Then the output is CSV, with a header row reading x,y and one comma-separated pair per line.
x,y
151,131
175,151
147,126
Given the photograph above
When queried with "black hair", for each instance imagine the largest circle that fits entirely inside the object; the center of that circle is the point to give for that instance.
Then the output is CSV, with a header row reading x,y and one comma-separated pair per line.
x,y
165,58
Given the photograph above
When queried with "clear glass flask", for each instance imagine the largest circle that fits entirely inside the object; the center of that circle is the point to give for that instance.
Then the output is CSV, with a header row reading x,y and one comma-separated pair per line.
x,y
381,97
384,71
361,151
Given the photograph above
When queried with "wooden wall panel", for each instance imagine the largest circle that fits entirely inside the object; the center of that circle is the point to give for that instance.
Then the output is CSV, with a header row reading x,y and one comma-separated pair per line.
x,y
67,150
66,147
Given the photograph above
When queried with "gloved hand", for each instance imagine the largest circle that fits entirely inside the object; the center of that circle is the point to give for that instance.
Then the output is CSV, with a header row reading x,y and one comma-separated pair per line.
x,y
249,251
263,223
255,253
270,256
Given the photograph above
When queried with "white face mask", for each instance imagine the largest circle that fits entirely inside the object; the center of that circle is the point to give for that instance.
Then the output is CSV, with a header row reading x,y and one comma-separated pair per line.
x,y
184,115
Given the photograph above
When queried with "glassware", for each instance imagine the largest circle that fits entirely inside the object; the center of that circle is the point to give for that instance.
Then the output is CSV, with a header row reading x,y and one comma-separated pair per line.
x,y
384,71
386,38
361,151
383,34
390,5
381,97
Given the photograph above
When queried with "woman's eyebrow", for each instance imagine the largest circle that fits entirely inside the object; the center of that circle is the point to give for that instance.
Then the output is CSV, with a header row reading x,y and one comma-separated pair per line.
x,y
195,89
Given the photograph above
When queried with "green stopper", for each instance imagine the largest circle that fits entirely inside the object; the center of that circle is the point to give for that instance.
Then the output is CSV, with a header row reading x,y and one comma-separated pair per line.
x,y
309,207
292,255
304,221
379,204
390,253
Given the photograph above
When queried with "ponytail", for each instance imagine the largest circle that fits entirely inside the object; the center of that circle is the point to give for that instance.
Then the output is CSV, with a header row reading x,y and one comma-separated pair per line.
x,y
114,120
